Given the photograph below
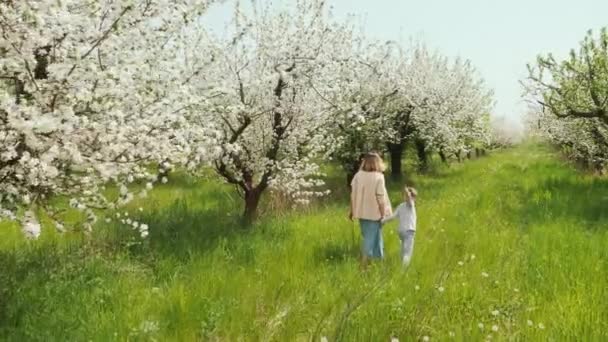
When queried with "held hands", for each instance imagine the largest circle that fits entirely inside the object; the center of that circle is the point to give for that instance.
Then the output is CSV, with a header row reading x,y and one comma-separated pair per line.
x,y
383,217
383,220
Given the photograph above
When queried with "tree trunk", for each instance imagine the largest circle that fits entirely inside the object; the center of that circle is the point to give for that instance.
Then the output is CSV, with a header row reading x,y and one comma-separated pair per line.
x,y
396,152
598,169
19,90
350,173
42,62
422,155
162,171
252,201
443,157
469,156
477,152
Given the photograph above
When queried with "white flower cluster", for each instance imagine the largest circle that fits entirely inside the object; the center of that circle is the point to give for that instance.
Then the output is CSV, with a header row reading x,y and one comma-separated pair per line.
x,y
93,92
402,94
140,227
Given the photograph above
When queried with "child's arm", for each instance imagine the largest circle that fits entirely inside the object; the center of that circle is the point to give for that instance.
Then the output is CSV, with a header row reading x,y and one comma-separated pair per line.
x,y
414,218
393,216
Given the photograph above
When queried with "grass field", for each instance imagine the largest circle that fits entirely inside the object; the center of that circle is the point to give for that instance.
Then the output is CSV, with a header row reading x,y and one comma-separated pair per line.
x,y
513,246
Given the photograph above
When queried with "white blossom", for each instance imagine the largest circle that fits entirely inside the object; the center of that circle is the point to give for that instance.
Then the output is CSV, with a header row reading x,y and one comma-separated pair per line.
x,y
95,90
270,109
31,226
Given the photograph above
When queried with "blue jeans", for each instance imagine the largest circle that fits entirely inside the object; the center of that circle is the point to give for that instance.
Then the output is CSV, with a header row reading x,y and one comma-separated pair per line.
x,y
373,246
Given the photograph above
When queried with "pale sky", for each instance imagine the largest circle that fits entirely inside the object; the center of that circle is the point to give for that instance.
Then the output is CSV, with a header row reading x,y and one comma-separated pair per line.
x,y
498,36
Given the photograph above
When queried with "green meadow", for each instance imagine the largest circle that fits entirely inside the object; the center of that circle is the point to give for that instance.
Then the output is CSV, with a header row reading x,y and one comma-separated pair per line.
x,y
511,246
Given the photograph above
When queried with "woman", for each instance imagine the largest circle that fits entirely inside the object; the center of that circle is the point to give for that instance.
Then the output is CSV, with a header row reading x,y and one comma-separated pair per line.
x,y
369,203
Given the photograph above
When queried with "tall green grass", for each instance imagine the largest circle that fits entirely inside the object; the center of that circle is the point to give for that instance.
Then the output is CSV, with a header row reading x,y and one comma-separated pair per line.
x,y
509,247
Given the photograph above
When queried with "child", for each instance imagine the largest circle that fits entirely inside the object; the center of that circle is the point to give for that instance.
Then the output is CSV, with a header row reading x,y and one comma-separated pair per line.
x,y
406,212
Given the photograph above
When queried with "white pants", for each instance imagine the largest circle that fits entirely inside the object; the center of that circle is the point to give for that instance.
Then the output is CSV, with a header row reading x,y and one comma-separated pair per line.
x,y
407,245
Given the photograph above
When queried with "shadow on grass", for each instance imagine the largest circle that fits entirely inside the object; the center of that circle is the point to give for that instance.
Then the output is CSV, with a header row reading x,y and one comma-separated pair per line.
x,y
548,192
38,279
572,199
336,252
182,229
201,222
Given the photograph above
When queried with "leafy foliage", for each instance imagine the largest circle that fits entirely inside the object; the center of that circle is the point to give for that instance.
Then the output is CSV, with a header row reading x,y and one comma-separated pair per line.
x,y
572,99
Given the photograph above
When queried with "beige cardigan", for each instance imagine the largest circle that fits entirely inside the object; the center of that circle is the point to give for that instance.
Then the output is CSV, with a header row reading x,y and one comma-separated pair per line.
x,y
368,195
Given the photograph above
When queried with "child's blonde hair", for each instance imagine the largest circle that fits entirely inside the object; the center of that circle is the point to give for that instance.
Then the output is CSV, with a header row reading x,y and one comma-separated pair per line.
x,y
409,193
372,162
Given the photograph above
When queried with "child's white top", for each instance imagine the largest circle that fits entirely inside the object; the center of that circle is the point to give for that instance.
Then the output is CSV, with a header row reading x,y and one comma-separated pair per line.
x,y
406,213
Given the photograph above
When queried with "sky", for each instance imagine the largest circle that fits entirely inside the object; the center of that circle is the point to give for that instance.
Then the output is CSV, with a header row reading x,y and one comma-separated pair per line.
x,y
499,36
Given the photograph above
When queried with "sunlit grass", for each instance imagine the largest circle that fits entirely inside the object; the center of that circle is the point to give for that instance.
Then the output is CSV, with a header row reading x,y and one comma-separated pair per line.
x,y
511,246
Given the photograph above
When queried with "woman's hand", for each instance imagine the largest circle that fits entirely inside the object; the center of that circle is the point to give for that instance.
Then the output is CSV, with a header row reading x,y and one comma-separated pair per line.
x,y
383,212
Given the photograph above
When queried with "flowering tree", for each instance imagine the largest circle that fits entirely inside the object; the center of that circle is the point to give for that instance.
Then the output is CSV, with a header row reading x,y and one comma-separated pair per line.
x,y
272,118
465,112
400,109
398,96
442,106
575,92
102,92
418,79
583,140
365,90
94,92
575,87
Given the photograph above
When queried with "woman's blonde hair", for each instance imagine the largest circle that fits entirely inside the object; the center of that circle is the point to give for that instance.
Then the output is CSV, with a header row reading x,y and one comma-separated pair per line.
x,y
372,162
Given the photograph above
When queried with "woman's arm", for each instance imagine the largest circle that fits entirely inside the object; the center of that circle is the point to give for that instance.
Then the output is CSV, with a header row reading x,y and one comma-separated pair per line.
x,y
353,198
352,205
381,197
